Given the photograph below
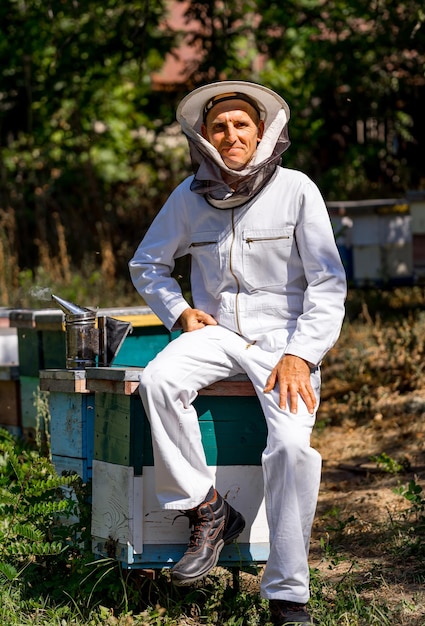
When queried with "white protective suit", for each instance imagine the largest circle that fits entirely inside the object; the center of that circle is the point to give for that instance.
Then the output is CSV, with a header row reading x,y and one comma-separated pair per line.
x,y
270,273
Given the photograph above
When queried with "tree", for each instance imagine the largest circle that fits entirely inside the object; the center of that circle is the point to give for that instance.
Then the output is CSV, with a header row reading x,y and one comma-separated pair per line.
x,y
88,146
352,72
75,111
363,64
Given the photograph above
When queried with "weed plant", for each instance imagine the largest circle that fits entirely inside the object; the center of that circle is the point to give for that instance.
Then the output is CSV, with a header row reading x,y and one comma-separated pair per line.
x,y
412,537
48,575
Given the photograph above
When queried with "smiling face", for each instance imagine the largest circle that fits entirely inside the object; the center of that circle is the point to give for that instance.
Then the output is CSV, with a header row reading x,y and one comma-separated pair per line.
x,y
234,129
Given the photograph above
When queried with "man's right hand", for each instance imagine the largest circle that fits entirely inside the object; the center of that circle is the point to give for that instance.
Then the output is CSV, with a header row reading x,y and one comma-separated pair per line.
x,y
194,319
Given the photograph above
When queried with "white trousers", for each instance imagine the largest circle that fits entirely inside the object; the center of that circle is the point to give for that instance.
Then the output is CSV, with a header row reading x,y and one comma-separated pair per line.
x,y
291,468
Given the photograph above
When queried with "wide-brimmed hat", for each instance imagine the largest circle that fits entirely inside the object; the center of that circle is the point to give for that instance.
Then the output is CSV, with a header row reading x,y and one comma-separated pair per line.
x,y
194,106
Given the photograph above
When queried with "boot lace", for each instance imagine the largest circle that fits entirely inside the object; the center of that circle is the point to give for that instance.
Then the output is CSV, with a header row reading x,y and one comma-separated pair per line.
x,y
195,524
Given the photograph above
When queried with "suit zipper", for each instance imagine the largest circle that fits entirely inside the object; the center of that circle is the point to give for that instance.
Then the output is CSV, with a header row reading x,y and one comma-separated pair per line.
x,y
197,244
250,240
234,275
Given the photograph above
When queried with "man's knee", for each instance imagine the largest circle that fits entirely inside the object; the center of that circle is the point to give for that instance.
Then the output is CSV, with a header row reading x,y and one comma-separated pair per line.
x,y
290,446
159,379
150,379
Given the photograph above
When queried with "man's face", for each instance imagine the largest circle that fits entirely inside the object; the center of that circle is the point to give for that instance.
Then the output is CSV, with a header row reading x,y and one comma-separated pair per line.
x,y
233,128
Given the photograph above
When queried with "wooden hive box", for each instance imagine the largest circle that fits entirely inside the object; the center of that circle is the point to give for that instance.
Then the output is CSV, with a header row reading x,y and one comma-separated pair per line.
x,y
41,343
10,412
127,522
71,408
148,337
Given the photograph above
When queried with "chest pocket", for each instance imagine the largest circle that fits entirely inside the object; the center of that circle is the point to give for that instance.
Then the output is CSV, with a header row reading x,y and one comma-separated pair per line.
x,y
205,251
265,256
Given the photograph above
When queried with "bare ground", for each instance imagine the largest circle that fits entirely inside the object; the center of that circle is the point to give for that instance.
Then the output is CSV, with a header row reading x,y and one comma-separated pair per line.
x,y
355,531
356,487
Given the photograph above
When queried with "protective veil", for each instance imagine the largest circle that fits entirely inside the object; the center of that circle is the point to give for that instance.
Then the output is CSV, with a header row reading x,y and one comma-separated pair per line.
x,y
209,167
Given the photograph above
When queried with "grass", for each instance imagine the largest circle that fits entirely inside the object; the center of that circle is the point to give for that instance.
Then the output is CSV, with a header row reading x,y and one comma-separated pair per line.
x,y
380,354
212,602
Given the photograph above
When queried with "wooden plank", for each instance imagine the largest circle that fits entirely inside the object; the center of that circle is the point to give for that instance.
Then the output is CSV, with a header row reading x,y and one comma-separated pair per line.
x,y
113,373
49,320
241,486
28,390
126,381
65,381
9,372
5,317
140,314
64,386
149,319
54,349
63,374
221,388
72,424
113,386
121,431
417,211
142,345
53,319
128,524
158,556
233,430
72,465
229,388
29,351
8,346
116,380
22,318
39,319
117,505
10,414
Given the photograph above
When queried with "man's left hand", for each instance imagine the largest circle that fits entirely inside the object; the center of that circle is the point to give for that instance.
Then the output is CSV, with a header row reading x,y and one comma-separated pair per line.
x,y
292,375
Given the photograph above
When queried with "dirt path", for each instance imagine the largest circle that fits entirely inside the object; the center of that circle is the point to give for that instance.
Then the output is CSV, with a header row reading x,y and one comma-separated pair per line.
x,y
357,496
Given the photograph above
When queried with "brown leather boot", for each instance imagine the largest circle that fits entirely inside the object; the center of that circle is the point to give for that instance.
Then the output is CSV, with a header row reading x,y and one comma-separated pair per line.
x,y
214,523
285,613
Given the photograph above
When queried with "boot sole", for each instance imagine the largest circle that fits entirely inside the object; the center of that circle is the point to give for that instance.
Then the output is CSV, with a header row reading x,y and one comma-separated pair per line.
x,y
230,536
182,582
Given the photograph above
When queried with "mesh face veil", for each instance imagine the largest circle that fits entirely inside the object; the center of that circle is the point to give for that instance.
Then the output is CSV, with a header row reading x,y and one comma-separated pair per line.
x,y
221,186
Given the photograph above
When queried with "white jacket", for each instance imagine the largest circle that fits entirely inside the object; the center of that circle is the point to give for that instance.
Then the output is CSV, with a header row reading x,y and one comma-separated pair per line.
x,y
269,270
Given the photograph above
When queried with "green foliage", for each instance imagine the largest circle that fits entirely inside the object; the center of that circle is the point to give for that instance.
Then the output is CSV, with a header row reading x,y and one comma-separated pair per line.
x,y
31,502
88,146
336,524
414,536
343,67
78,168
388,464
414,494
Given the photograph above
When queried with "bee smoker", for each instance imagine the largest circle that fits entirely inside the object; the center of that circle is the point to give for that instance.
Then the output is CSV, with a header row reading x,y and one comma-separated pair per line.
x,y
92,340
